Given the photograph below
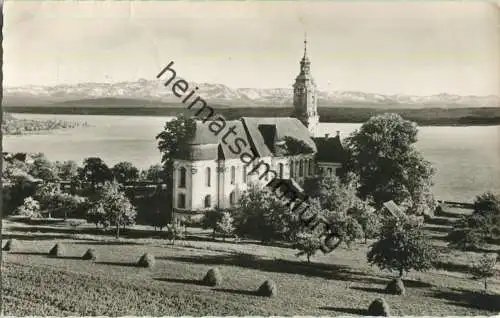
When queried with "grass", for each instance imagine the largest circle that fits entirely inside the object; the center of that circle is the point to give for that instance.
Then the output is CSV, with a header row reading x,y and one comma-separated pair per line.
x,y
340,283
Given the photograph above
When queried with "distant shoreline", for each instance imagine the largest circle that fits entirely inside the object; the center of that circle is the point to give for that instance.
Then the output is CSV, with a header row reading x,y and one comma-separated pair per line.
x,y
487,116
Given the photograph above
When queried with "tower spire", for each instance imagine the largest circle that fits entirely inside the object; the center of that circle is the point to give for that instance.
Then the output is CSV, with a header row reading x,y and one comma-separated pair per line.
x,y
304,94
305,44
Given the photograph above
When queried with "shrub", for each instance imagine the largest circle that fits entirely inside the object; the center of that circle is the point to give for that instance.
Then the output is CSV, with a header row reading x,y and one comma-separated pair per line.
x,y
396,287
146,260
267,289
379,308
175,231
90,255
212,278
57,250
11,245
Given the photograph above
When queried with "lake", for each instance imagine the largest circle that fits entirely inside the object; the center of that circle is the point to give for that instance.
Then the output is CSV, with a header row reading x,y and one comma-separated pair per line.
x,y
467,159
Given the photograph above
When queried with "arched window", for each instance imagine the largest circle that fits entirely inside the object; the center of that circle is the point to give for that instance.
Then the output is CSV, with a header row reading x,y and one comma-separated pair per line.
x,y
280,165
301,168
244,174
232,198
233,175
182,177
181,201
208,201
209,176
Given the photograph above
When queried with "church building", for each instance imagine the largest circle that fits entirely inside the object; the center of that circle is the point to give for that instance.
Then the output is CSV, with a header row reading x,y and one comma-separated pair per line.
x,y
286,148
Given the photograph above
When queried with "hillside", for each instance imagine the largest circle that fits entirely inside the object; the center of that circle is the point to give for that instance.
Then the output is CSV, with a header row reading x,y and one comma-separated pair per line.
x,y
154,93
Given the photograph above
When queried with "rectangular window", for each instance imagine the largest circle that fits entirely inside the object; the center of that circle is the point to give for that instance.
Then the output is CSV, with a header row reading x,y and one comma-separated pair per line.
x,y
233,175
244,174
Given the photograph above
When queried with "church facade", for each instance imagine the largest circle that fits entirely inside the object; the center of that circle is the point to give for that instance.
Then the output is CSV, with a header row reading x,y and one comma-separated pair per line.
x,y
285,148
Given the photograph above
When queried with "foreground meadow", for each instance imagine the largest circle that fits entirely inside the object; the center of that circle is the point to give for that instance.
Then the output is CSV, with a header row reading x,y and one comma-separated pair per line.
x,y
337,284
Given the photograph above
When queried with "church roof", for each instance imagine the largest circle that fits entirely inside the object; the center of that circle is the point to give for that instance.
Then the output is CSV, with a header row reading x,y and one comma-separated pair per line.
x,y
258,131
260,134
330,149
224,151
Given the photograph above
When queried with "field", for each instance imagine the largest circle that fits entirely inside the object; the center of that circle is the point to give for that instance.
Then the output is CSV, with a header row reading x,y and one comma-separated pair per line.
x,y
341,283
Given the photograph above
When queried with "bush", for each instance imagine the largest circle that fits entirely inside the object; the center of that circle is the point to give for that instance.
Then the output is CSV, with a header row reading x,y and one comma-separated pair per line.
x,y
396,287
57,250
90,255
379,308
267,289
212,278
11,245
146,260
175,231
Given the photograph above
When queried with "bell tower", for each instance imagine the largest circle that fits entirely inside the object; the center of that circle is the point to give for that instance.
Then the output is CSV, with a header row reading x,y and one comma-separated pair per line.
x,y
305,107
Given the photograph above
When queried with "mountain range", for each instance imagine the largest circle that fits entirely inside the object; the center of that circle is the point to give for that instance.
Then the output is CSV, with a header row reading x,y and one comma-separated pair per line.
x,y
154,93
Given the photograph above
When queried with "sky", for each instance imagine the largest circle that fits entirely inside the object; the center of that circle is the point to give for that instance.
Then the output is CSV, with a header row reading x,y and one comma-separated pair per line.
x,y
418,48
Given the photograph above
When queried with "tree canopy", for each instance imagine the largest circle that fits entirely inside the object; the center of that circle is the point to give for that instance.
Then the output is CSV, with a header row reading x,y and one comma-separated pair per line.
x,y
125,172
173,140
112,208
95,171
383,154
402,246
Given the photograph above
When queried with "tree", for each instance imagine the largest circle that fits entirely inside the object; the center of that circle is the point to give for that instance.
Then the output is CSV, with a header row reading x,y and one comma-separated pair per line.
x,y
30,208
263,215
173,143
402,246
308,243
335,201
334,194
125,172
154,173
487,203
96,214
19,187
370,222
95,171
68,205
473,231
67,170
484,269
117,209
45,194
225,225
383,154
43,169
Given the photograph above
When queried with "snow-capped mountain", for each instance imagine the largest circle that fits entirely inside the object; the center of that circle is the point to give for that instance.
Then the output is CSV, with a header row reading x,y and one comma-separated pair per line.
x,y
155,92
